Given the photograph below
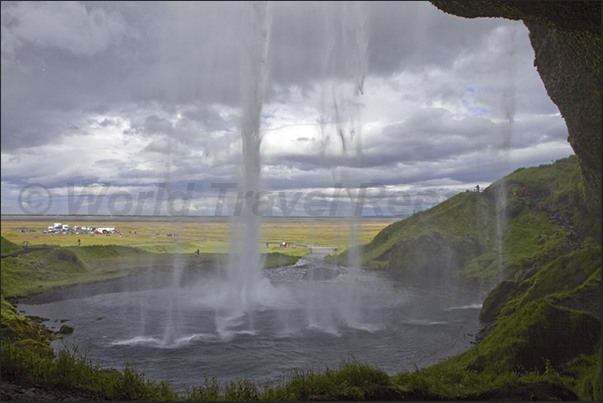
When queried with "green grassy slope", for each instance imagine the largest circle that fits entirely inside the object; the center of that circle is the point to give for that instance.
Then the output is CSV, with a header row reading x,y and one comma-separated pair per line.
x,y
42,270
9,247
478,237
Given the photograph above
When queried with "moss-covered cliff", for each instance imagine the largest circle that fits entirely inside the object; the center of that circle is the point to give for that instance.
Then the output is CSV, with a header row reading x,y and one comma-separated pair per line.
x,y
566,37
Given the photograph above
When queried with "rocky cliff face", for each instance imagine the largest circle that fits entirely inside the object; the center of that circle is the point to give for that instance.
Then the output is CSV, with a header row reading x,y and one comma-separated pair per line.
x,y
566,37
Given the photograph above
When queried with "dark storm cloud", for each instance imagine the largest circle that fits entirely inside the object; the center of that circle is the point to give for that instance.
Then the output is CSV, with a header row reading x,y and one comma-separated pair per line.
x,y
415,35
155,87
59,59
156,125
184,53
206,118
143,54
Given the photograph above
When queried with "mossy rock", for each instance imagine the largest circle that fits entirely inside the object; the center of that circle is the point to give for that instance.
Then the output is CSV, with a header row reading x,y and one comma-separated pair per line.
x,y
8,310
558,336
17,328
494,302
559,276
65,330
537,336
24,333
566,16
37,347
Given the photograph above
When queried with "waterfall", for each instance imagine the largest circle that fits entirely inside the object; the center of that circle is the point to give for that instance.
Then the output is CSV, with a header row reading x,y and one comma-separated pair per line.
x,y
508,108
243,271
344,70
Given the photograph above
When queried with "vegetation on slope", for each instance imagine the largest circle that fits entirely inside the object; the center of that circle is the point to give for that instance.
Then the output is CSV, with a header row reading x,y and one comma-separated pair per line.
x,y
544,316
43,270
476,236
564,274
9,247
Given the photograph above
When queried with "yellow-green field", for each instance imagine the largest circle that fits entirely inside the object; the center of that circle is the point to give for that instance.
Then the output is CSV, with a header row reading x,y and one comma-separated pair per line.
x,y
208,235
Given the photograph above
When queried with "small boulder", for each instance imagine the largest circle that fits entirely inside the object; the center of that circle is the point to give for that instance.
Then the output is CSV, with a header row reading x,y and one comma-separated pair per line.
x,y
65,330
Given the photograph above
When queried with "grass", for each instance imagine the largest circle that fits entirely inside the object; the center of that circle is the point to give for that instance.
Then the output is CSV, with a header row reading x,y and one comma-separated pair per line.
x,y
146,246
71,370
207,236
350,380
576,271
475,236
451,381
9,247
462,226
43,270
536,338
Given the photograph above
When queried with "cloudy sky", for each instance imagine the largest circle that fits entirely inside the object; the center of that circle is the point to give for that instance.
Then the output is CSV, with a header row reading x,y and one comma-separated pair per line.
x,y
143,102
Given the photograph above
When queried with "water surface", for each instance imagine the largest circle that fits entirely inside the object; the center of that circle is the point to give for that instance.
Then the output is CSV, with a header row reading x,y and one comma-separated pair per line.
x,y
308,315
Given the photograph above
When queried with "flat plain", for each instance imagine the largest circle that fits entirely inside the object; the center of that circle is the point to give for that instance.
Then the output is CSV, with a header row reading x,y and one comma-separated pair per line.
x,y
187,234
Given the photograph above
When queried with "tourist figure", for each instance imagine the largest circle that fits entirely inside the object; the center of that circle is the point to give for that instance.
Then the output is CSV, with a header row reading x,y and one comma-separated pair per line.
x,y
477,187
78,242
267,245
